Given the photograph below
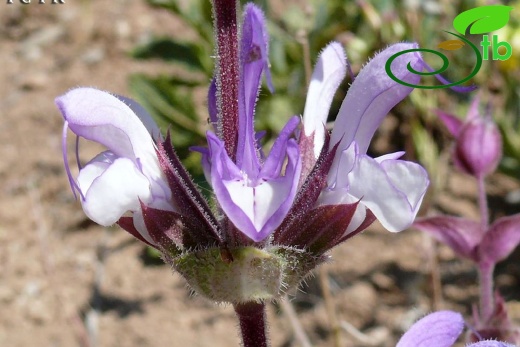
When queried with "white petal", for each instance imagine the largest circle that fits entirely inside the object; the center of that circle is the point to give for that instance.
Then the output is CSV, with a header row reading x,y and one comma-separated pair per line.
x,y
259,203
140,226
329,71
344,163
393,197
407,177
116,190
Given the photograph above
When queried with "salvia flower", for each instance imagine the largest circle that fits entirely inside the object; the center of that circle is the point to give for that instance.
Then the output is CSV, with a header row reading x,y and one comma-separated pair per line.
x,y
275,215
441,329
478,145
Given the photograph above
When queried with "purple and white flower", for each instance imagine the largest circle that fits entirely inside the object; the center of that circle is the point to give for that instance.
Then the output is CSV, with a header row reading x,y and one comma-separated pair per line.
x,y
313,190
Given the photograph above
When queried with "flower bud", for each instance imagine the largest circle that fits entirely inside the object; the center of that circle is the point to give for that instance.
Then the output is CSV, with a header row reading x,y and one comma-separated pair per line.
x,y
479,147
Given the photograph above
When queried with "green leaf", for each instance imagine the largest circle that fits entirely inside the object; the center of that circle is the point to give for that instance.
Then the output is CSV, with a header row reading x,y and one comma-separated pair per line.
x,y
168,105
171,50
482,20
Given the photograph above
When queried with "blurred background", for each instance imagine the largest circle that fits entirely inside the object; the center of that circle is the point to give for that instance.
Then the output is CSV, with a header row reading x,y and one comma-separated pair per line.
x,y
65,281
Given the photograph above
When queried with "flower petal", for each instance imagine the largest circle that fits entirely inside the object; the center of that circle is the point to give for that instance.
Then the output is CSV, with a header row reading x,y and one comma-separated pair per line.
x,y
111,190
143,115
491,343
253,57
255,208
275,160
439,329
328,73
392,190
371,96
101,117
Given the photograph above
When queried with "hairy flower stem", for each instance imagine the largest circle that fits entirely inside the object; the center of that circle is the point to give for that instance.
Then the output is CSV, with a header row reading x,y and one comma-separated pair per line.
x,y
227,72
482,201
487,303
253,326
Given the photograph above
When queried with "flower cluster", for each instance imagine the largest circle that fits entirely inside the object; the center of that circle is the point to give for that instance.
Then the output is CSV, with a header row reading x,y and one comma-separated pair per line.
x,y
275,214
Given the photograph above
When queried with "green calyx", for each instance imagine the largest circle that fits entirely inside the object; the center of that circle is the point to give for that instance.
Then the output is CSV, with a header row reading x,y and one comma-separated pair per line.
x,y
253,274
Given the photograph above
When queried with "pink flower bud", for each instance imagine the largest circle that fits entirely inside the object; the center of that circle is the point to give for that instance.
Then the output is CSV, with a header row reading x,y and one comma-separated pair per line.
x,y
478,147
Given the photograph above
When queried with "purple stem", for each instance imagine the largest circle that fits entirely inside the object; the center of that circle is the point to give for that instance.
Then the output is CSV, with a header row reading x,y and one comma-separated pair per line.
x,y
485,269
487,302
482,201
252,322
227,72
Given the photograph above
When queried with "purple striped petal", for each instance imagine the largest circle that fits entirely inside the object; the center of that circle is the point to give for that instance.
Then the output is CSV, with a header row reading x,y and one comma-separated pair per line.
x,y
438,329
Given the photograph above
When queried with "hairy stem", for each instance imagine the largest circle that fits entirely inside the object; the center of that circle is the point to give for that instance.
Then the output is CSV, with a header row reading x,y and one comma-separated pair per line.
x,y
482,202
487,302
227,72
252,322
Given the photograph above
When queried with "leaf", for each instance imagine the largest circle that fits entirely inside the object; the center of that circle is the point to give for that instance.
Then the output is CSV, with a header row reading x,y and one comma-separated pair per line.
x,y
460,234
482,20
170,50
451,45
451,122
168,105
501,239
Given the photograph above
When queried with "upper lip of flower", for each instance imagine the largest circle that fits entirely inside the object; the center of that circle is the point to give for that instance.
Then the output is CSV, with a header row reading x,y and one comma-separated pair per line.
x,y
392,189
131,155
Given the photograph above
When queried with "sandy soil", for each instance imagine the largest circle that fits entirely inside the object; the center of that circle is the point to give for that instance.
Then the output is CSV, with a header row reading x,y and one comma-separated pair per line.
x,y
65,281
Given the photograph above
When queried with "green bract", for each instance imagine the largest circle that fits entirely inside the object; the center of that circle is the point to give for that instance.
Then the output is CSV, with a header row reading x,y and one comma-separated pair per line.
x,y
253,275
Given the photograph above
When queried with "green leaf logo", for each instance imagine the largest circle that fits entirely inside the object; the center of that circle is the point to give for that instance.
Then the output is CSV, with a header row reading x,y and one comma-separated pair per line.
x,y
482,20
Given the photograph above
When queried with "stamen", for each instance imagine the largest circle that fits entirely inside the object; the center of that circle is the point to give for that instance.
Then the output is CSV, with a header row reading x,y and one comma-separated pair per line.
x,y
77,154
73,185
440,78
